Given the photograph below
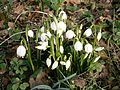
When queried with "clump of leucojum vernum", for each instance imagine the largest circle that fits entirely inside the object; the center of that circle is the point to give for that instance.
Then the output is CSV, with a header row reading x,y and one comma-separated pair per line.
x,y
54,37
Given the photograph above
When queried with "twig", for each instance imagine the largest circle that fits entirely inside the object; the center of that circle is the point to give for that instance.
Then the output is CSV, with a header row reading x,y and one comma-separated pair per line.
x,y
11,37
24,12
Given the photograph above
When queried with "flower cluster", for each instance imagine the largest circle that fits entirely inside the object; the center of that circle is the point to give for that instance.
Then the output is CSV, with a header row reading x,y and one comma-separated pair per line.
x,y
55,38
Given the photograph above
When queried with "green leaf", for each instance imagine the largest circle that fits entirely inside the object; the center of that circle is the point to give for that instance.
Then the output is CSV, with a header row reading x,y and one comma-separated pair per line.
x,y
24,86
15,86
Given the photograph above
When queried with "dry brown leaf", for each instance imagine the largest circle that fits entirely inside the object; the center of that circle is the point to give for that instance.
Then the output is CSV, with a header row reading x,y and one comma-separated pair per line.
x,y
1,23
79,82
18,9
31,81
73,1
3,34
11,25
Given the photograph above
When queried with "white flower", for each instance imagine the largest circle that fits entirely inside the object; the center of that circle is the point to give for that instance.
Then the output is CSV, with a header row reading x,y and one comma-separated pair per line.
x,y
62,63
55,64
42,29
61,26
63,15
70,34
61,49
99,36
48,62
54,26
43,46
21,51
88,32
99,49
30,33
97,58
43,37
68,63
88,48
78,46
48,34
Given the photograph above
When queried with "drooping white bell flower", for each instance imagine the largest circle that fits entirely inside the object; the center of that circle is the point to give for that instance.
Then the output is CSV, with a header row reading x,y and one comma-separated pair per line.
x,y
42,46
61,49
43,37
48,62
21,51
67,65
99,49
30,33
55,64
97,58
53,26
63,15
62,63
99,36
88,32
78,46
70,34
61,26
88,48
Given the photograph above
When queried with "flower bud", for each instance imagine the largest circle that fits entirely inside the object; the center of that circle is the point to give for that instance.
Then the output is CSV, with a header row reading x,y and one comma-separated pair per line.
x,y
99,36
68,63
88,32
30,33
61,49
55,64
48,62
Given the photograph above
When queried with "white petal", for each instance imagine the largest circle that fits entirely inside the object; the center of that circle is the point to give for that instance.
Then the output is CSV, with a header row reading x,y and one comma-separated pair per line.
x,y
55,64
86,55
61,49
43,37
53,26
97,58
30,33
68,63
62,63
81,26
48,62
42,29
21,51
49,34
88,32
43,46
99,49
99,36
88,48
70,34
78,46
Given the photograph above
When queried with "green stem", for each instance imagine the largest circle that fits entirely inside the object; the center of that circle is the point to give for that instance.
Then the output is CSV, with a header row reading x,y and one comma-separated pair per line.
x,y
29,56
